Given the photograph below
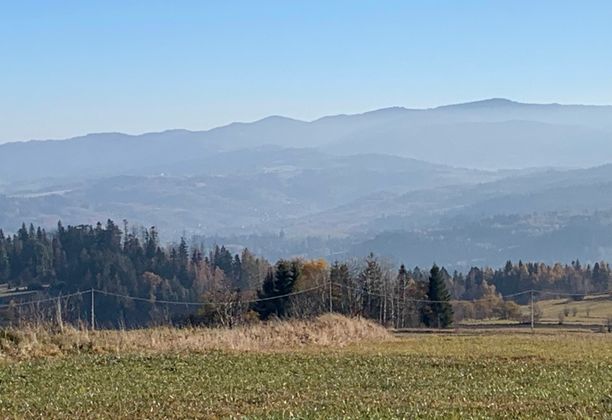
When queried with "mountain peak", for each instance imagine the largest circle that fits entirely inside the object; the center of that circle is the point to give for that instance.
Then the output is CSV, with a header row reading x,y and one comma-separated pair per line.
x,y
485,103
277,119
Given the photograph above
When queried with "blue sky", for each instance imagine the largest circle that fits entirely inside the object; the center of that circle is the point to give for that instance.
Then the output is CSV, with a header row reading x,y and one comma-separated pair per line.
x,y
73,67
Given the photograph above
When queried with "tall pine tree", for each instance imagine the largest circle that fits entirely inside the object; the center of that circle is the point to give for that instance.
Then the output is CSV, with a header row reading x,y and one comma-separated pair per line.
x,y
371,278
439,312
276,286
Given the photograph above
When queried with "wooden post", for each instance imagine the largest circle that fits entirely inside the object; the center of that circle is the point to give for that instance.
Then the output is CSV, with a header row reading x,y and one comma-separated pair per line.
x,y
532,316
331,302
93,311
60,323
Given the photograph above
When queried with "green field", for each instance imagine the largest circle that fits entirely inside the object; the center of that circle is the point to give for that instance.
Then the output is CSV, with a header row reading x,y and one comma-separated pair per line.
x,y
473,375
592,310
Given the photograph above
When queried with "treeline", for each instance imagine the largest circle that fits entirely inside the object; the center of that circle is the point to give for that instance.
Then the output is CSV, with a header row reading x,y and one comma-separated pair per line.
x,y
236,288
573,278
111,259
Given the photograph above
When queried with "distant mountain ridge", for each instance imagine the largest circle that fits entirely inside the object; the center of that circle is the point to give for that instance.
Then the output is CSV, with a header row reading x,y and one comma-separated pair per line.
x,y
491,103
462,183
525,135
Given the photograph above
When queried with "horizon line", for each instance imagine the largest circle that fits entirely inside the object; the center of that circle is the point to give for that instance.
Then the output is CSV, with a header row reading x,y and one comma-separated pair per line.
x,y
492,100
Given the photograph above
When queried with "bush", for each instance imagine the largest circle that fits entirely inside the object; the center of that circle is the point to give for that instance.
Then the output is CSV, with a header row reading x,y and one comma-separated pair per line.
x,y
510,310
463,310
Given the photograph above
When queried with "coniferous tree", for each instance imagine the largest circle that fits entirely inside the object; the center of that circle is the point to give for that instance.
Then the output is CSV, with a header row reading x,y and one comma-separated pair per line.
x,y
371,278
344,289
223,260
402,295
236,270
5,268
151,243
277,285
439,312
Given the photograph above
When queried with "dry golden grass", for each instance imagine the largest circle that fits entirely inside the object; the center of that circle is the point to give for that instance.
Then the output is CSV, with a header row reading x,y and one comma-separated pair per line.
x,y
325,331
592,310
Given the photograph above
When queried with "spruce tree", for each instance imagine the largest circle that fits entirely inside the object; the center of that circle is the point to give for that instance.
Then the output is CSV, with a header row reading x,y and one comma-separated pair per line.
x,y
401,293
276,286
5,268
342,295
224,260
371,278
439,312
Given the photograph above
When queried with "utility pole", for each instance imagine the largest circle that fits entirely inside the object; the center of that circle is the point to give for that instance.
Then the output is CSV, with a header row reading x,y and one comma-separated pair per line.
x,y
60,323
93,311
532,311
331,302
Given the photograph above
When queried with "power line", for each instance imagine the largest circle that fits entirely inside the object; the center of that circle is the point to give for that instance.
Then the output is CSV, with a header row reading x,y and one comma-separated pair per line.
x,y
149,300
250,301
192,303
427,300
51,299
519,293
550,293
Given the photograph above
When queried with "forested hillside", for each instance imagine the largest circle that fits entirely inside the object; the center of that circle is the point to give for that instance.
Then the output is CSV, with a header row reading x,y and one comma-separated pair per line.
x,y
121,264
77,258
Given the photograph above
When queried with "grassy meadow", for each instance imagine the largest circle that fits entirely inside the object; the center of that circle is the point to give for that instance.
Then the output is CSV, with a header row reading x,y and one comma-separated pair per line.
x,y
321,374
591,310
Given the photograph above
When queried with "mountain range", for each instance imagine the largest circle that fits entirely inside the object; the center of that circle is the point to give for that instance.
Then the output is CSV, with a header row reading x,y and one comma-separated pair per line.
x,y
391,176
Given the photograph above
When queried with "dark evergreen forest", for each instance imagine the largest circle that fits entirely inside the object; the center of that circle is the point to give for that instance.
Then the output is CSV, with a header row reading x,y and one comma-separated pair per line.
x,y
234,288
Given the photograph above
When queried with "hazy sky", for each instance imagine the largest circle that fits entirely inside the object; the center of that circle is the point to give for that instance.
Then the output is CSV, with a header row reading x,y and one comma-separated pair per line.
x,y
72,67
